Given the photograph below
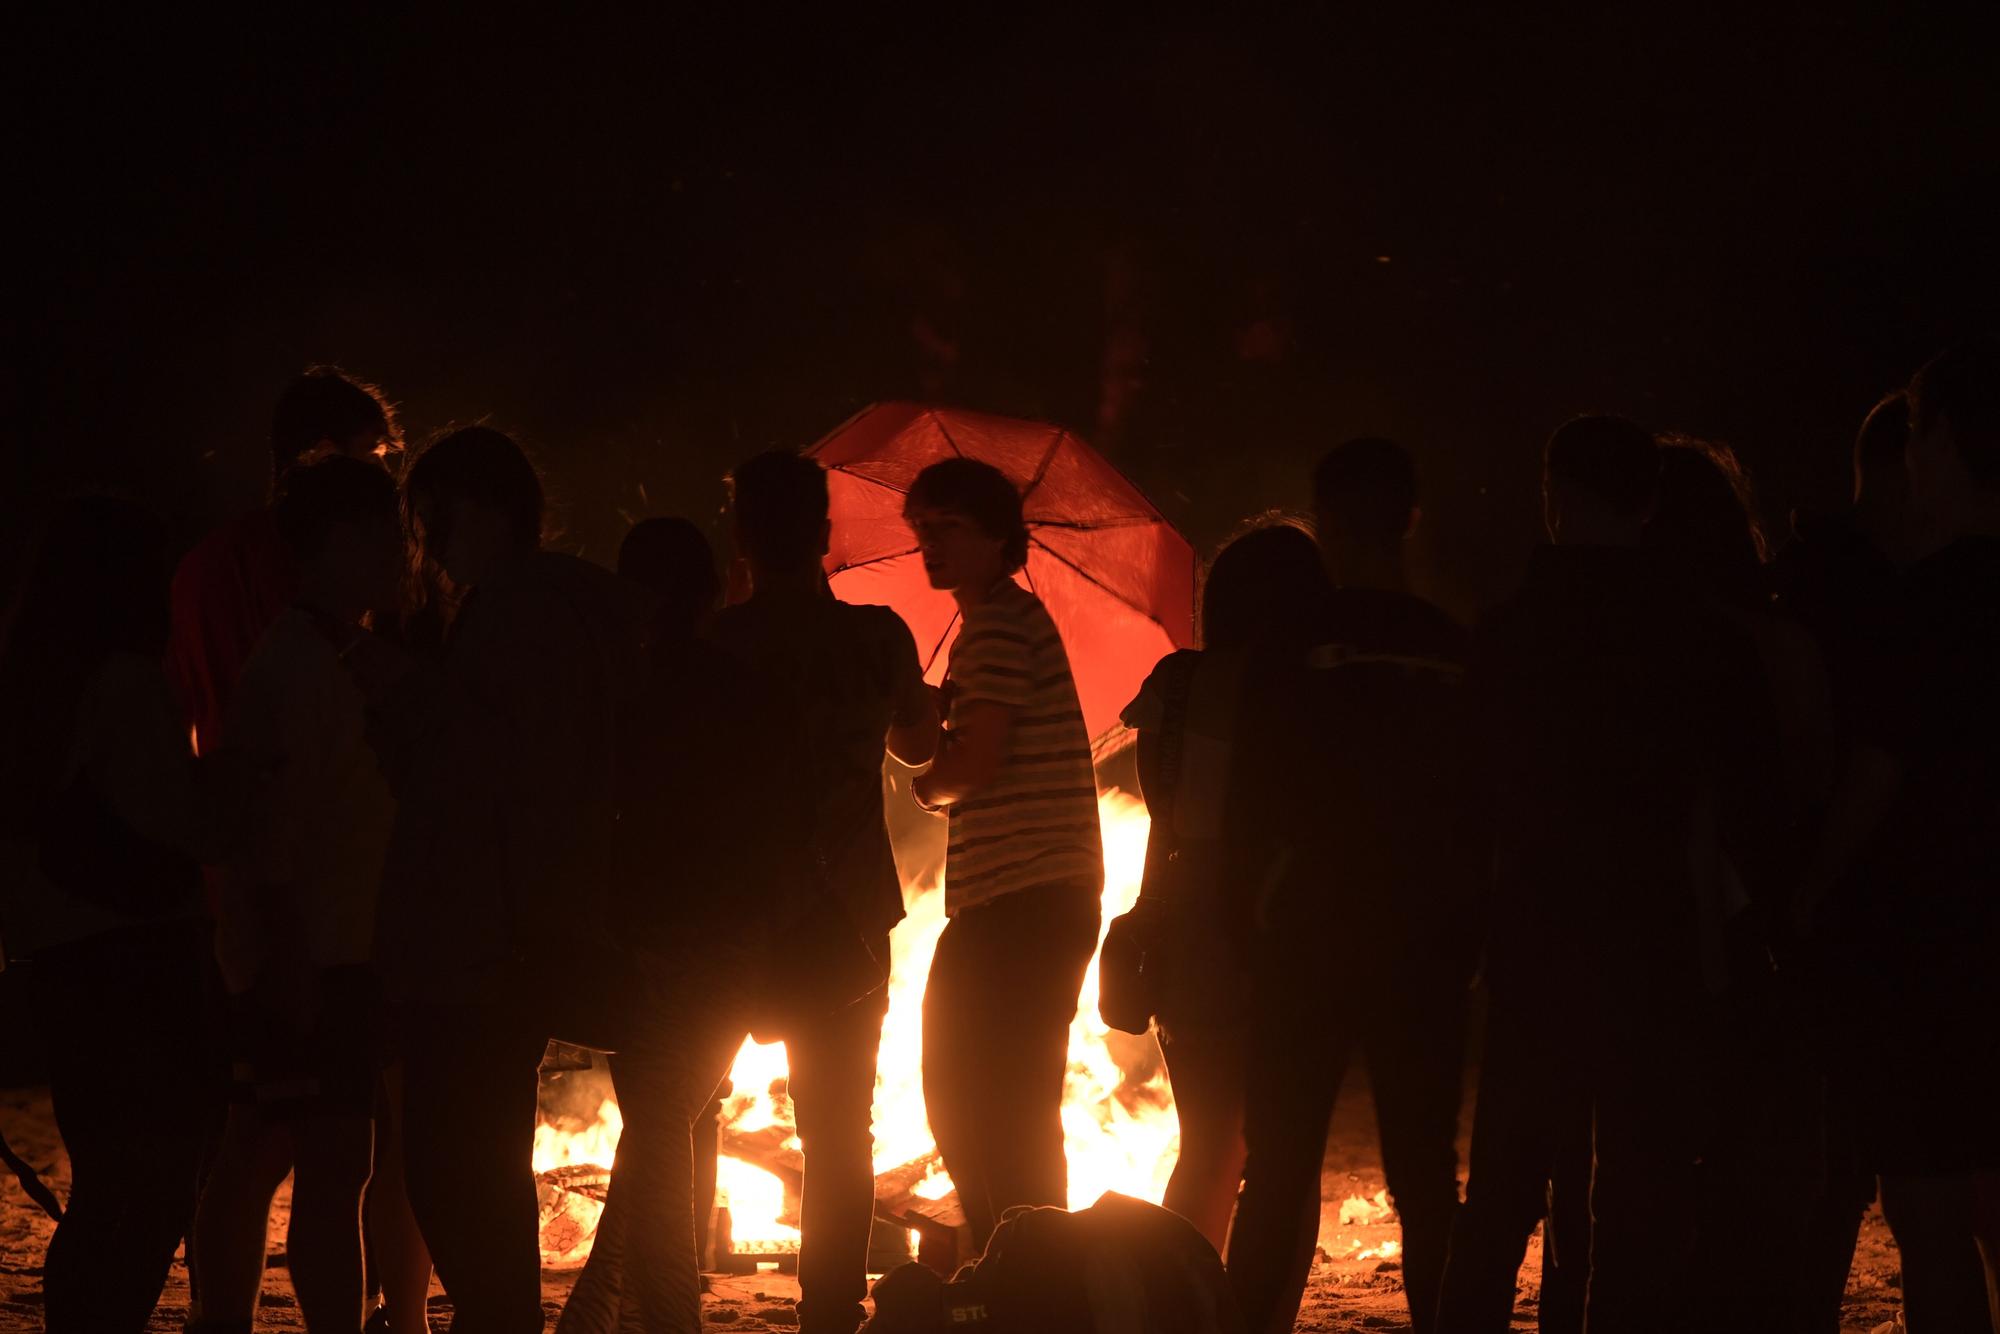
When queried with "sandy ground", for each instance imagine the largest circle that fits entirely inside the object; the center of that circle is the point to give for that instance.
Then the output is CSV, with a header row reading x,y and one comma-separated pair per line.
x,y
1353,1288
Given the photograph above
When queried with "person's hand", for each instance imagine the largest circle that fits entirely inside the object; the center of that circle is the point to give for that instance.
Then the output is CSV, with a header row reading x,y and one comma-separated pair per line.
x,y
922,789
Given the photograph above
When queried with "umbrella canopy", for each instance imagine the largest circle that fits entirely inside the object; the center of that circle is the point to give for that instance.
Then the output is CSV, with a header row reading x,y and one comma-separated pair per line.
x,y
1114,575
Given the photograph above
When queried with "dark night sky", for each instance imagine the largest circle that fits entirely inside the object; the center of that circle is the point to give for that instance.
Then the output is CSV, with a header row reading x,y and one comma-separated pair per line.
x,y
650,250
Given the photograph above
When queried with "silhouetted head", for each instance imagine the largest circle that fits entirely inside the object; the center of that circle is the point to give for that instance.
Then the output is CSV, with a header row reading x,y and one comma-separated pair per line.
x,y
325,412
909,1299
1705,520
967,520
97,585
1600,479
779,500
1954,450
1261,587
672,559
338,518
1365,492
473,504
1881,471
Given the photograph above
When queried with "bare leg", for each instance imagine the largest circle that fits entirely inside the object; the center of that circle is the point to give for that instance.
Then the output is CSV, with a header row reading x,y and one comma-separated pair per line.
x,y
1207,1067
232,1224
333,1154
402,1259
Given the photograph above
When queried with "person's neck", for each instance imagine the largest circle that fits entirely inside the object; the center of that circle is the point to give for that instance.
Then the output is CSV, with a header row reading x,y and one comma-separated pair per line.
x,y
979,590
798,581
1381,571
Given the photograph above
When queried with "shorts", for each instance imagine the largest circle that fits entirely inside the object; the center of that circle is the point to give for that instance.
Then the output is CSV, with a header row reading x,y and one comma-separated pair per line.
x,y
323,1059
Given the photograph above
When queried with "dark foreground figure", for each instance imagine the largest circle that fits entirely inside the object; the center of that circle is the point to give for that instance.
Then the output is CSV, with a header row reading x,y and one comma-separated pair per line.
x,y
1357,751
1119,1267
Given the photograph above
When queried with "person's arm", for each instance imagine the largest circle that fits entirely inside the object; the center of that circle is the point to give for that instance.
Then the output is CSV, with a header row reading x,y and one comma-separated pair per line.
x,y
914,725
971,757
991,670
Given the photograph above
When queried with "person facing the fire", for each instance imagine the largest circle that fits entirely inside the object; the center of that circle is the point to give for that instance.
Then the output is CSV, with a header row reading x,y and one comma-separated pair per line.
x,y
297,917
503,760
1195,909
1024,865
705,876
1613,701
852,676
1357,747
1907,888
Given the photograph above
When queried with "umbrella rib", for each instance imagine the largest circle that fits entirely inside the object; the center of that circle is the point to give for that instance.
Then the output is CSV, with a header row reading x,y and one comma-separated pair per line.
x,y
875,560
945,431
1042,468
939,646
1087,575
1093,525
845,471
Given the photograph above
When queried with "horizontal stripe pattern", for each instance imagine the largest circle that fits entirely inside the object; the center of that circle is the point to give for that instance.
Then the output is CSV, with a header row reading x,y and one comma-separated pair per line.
x,y
1036,823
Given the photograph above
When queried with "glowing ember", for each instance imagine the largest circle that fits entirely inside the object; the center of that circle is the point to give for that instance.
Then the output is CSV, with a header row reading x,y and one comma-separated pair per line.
x,y
1118,1111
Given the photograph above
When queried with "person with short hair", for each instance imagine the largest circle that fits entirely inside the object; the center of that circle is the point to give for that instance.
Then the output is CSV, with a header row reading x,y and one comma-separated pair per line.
x,y
298,915
1614,700
503,759
1197,902
1024,864
711,867
1905,885
855,685
1357,746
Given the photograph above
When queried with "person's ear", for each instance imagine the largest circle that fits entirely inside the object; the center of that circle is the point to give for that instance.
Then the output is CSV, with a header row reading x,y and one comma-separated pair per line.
x,y
1410,524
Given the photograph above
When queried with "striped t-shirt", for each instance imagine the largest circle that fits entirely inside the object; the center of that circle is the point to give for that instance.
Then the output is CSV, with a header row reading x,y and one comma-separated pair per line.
x,y
1036,823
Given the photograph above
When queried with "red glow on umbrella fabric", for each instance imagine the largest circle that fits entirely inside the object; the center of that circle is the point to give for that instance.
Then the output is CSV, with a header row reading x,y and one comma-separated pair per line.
x,y
1116,577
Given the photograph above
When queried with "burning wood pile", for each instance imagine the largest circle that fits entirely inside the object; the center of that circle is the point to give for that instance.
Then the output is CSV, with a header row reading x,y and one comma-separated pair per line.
x,y
1118,1113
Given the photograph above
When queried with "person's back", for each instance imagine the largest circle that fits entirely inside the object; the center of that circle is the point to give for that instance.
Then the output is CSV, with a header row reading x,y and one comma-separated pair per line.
x,y
850,671
1377,767
1358,750
849,684
1608,693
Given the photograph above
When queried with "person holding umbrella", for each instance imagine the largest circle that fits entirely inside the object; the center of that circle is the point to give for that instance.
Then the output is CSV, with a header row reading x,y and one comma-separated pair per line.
x,y
1024,865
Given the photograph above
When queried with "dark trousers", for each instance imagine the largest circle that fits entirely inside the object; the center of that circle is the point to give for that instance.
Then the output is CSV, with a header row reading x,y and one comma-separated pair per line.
x,y
129,1022
1410,1028
469,1111
997,1009
1566,1229
832,1087
644,1268
1641,1079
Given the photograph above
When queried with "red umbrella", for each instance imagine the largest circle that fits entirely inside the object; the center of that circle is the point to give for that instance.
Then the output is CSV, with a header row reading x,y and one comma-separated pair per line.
x,y
1115,576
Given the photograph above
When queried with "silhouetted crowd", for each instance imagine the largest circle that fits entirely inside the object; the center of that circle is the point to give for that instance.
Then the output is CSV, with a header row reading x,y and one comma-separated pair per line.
x,y
317,838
